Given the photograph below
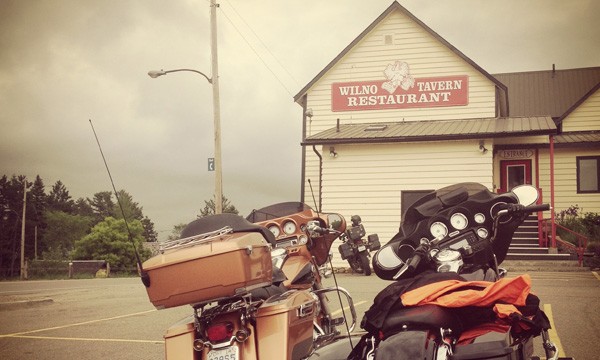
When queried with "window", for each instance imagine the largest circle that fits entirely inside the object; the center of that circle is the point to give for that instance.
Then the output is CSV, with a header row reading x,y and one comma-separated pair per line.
x,y
588,174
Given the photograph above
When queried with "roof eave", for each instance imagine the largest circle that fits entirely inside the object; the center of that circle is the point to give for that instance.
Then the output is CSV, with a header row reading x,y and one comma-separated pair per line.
x,y
394,139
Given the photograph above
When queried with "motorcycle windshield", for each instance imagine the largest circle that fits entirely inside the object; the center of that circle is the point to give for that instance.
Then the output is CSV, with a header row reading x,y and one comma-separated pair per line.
x,y
276,211
431,203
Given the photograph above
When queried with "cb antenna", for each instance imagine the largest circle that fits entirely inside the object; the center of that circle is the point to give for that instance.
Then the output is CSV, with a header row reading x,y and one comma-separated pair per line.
x,y
313,196
144,275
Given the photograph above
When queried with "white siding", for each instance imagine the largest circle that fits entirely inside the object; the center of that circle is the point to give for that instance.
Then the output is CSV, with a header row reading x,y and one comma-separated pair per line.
x,y
586,117
426,56
367,180
565,179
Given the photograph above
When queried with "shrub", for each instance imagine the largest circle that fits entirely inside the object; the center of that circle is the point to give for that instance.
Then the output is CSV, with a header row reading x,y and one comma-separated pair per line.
x,y
586,224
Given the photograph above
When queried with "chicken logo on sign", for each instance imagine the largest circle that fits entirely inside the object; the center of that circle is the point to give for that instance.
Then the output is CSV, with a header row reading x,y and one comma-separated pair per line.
x,y
398,75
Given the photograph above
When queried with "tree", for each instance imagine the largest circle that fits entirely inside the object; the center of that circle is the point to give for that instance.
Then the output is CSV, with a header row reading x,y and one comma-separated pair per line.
x,y
176,232
130,209
83,208
109,240
102,204
63,230
59,198
209,207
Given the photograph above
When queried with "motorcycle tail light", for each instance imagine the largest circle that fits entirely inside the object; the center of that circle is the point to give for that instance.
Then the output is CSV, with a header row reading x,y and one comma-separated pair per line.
x,y
219,332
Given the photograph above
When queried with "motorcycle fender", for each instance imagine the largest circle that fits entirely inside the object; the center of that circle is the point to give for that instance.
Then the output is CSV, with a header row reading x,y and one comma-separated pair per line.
x,y
406,345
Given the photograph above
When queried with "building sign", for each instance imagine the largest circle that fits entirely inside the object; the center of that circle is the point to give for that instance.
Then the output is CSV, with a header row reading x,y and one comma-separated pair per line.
x,y
400,90
516,154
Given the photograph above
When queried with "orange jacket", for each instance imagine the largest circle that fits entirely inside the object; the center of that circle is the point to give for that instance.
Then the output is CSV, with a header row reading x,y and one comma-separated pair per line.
x,y
455,293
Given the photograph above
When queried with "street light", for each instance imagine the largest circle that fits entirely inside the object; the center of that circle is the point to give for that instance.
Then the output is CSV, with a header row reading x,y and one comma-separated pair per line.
x,y
217,120
156,73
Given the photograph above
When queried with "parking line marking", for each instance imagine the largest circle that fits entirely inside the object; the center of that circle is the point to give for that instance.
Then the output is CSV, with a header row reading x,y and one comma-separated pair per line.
x,y
552,332
347,308
596,275
76,324
88,339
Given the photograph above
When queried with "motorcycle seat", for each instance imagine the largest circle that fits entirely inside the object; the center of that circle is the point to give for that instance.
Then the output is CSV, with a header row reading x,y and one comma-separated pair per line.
x,y
421,317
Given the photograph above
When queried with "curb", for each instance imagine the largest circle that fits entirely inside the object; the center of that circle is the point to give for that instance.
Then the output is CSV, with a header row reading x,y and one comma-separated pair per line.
x,y
24,304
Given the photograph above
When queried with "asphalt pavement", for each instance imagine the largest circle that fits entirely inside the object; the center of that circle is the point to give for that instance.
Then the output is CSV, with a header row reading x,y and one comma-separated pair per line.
x,y
112,318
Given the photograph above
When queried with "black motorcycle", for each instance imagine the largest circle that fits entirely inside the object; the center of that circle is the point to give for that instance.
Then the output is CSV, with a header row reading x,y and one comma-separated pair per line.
x,y
450,299
355,249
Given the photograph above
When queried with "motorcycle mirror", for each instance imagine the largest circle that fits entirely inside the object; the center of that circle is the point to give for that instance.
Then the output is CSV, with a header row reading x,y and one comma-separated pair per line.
x,y
526,194
335,221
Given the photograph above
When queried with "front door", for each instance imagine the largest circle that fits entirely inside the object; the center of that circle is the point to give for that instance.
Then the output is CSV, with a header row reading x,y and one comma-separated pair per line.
x,y
514,172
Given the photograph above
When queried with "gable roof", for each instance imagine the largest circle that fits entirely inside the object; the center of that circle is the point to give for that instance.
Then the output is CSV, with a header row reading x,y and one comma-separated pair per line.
x,y
579,102
550,92
395,6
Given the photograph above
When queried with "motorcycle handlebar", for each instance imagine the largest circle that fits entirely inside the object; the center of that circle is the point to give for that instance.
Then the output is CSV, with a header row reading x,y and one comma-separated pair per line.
x,y
536,208
414,261
520,209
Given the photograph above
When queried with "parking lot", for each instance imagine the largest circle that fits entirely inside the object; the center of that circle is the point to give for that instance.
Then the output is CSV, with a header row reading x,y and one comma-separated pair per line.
x,y
112,318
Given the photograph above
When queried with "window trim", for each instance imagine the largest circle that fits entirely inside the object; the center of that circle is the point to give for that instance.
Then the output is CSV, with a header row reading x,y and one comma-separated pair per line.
x,y
577,160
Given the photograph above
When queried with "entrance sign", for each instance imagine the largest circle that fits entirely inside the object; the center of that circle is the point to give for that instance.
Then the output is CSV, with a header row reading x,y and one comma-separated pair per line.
x,y
400,91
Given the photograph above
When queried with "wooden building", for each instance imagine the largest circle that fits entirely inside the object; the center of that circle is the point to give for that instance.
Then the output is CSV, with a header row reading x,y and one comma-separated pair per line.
x,y
400,111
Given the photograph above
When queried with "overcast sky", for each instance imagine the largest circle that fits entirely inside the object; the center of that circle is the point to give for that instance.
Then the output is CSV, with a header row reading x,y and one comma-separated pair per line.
x,y
64,62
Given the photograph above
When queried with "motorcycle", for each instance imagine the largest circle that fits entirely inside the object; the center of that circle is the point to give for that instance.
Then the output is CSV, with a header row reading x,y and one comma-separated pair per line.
x,y
450,299
254,285
355,249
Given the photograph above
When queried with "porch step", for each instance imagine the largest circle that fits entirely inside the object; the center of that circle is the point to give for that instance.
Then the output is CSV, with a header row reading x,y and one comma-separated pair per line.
x,y
527,249
524,242
538,256
522,266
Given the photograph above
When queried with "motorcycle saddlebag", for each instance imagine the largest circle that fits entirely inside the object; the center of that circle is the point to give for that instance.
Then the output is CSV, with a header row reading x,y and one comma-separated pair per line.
x,y
406,345
346,251
373,241
284,324
496,345
231,264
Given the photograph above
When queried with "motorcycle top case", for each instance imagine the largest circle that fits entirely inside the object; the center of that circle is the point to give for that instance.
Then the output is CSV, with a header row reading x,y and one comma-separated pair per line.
x,y
229,265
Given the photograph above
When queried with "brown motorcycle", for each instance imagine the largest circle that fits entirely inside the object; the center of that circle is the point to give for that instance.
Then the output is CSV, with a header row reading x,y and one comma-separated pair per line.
x,y
254,285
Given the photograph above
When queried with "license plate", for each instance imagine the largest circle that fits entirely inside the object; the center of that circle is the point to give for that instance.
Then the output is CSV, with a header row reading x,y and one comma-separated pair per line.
x,y
228,353
362,248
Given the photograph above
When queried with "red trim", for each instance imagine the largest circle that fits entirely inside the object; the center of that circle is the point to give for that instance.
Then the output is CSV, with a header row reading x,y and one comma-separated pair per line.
x,y
552,212
505,164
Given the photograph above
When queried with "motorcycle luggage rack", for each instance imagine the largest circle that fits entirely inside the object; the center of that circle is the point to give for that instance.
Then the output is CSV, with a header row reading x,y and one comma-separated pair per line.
x,y
194,240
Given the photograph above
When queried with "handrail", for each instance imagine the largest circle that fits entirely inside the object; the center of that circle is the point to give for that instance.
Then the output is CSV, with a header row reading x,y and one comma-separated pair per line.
x,y
578,249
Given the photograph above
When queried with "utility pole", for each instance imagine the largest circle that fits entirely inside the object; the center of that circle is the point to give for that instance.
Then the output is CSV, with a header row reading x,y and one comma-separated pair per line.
x,y
23,230
216,108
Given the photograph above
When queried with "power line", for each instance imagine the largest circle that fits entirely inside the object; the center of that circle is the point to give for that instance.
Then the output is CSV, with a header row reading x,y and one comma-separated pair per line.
x,y
257,54
263,44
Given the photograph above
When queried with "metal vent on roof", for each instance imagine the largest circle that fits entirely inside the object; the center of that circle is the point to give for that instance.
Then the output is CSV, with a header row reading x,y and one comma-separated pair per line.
x,y
376,127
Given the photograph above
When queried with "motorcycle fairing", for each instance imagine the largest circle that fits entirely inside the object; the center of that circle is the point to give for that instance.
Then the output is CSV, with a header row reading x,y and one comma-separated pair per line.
x,y
467,198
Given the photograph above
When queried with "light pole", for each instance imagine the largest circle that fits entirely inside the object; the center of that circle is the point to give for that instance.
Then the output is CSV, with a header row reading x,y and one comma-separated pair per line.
x,y
217,124
6,210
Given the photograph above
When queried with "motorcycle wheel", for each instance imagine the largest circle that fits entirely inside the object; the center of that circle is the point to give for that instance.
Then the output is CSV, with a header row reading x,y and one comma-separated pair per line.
x,y
364,261
355,264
